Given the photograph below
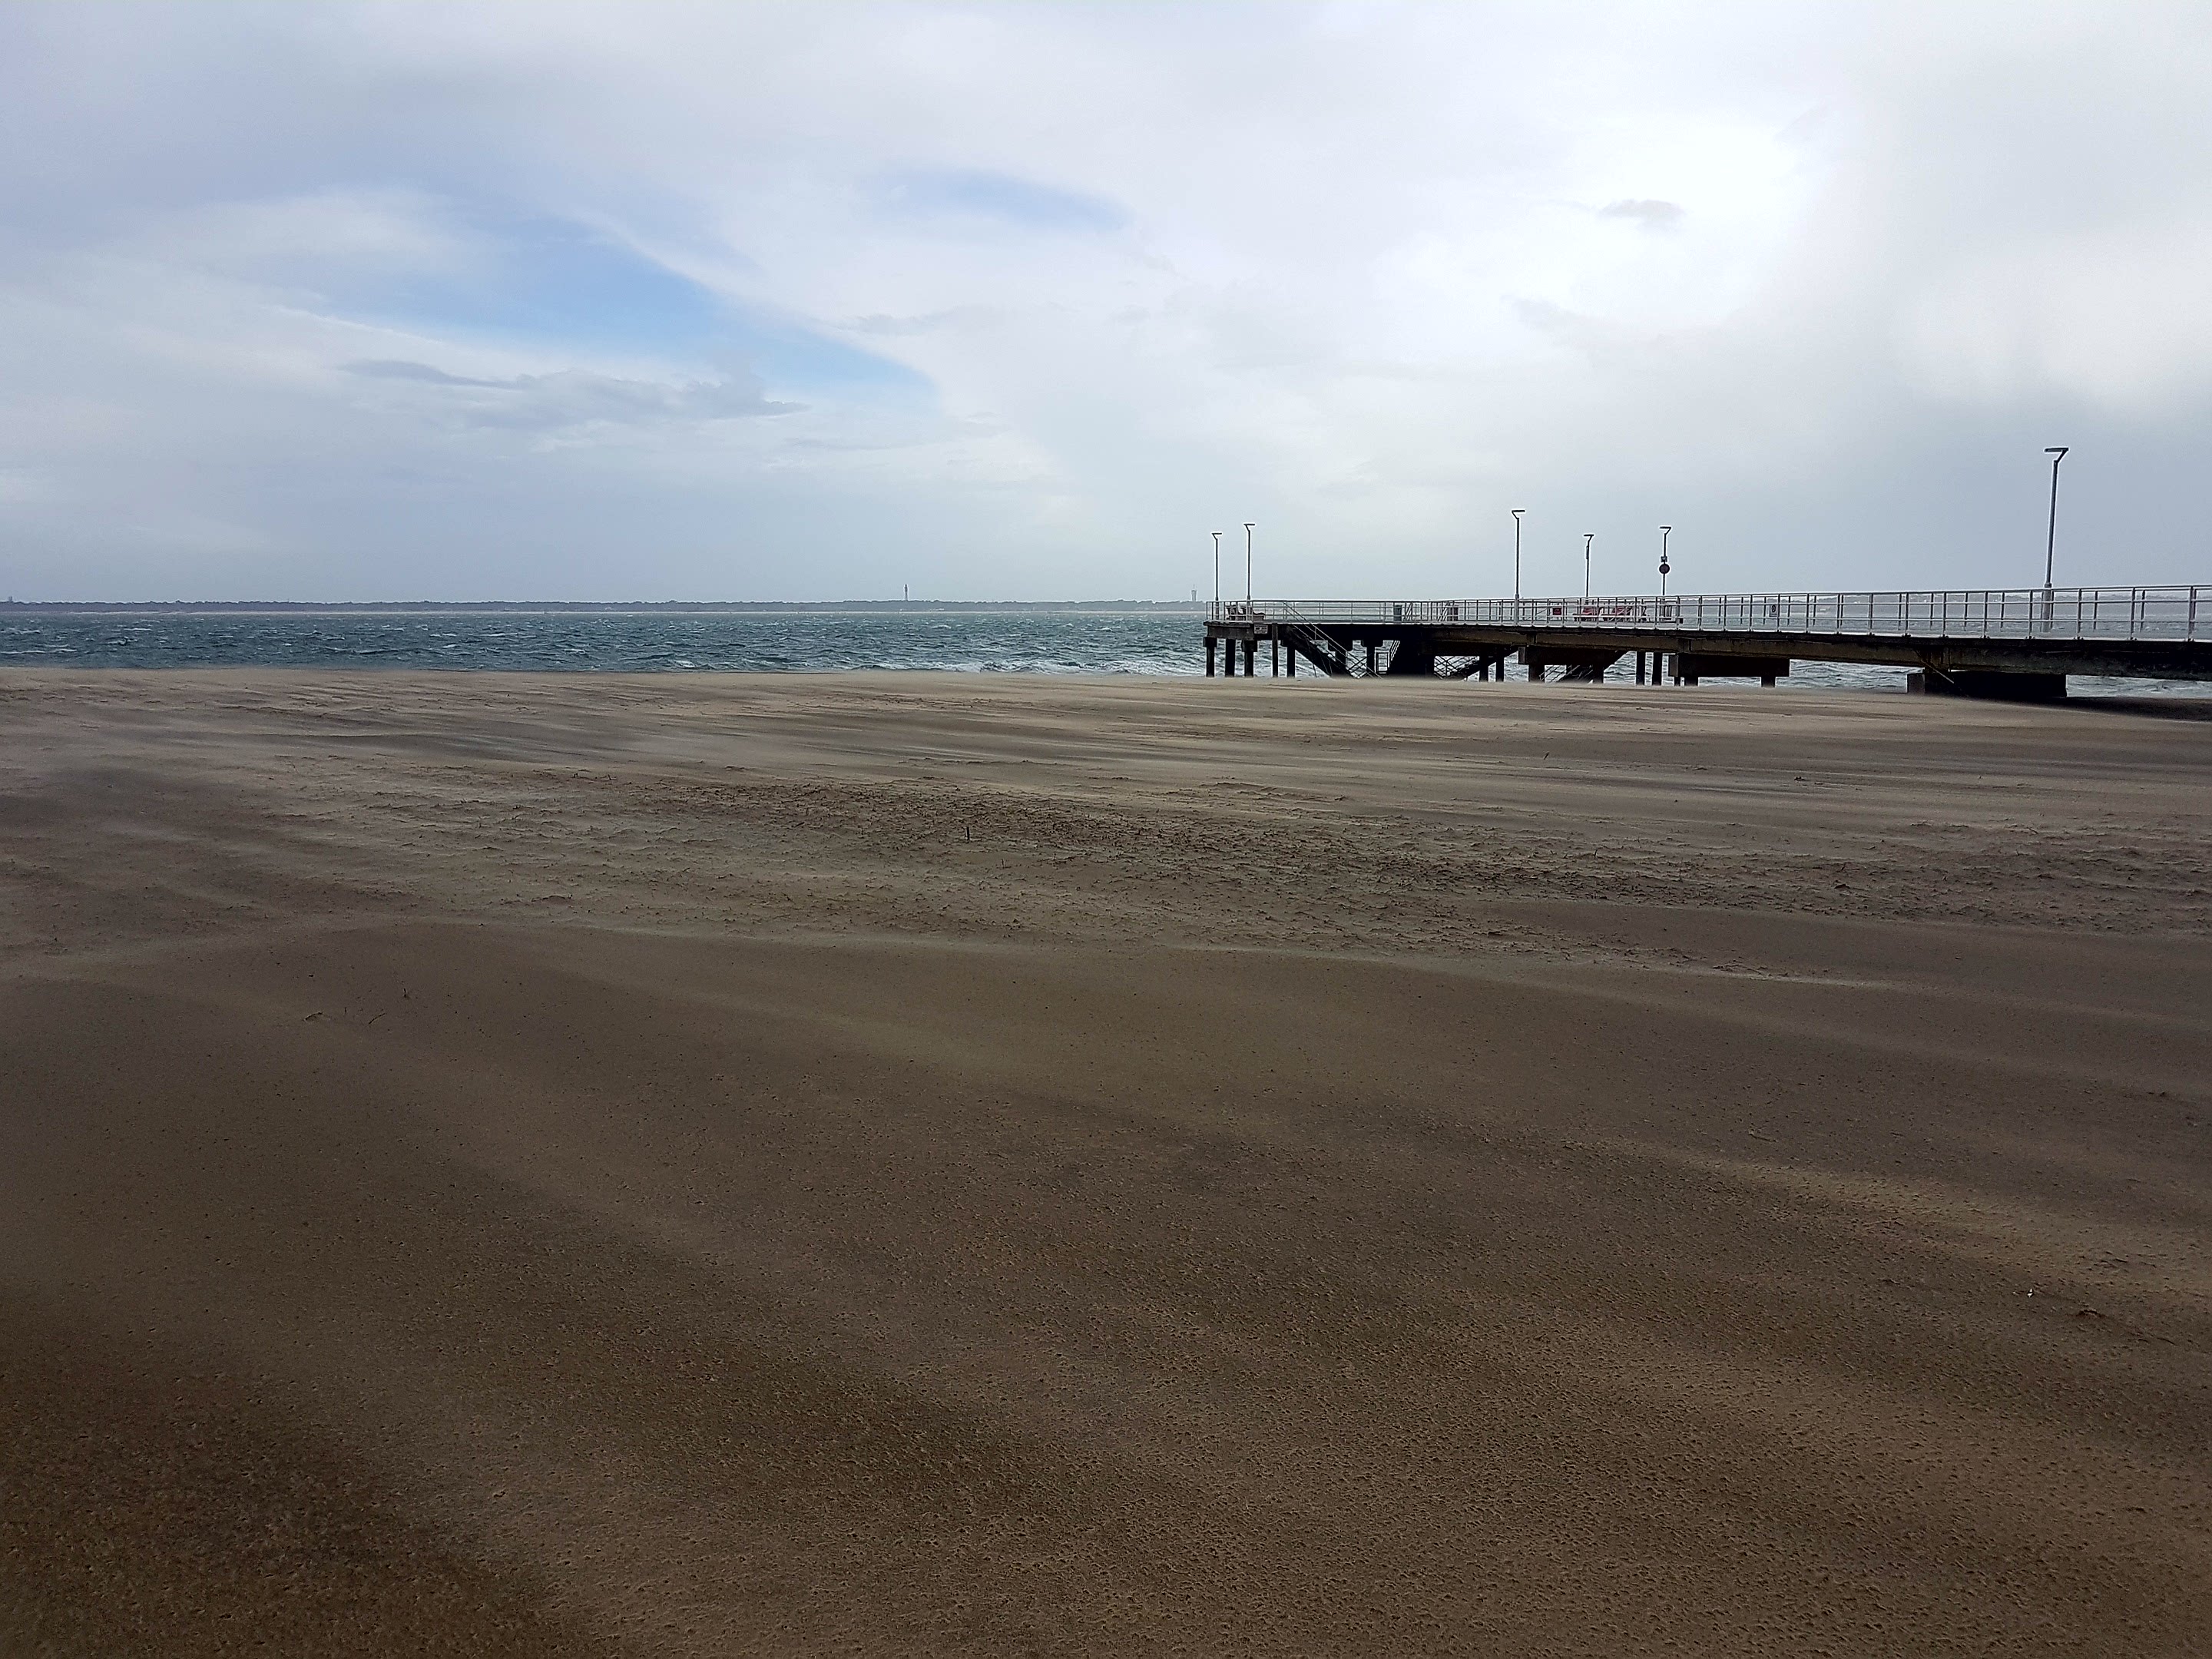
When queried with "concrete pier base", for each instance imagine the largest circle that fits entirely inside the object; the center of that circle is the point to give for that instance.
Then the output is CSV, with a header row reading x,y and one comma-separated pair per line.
x,y
1974,683
1691,666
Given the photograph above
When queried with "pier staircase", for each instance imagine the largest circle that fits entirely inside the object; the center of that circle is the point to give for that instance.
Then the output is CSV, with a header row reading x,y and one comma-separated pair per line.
x,y
1331,653
1341,655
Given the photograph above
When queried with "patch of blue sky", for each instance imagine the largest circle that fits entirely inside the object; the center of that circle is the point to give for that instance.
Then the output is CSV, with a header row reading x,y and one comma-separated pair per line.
x,y
552,283
550,280
997,198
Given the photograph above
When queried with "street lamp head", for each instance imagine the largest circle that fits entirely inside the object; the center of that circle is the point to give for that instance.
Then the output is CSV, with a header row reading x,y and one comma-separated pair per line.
x,y
2057,449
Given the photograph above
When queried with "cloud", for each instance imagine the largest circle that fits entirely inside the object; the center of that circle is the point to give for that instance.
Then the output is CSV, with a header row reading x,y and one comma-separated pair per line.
x,y
399,369
2114,318
572,398
436,300
350,236
970,196
1652,215
953,316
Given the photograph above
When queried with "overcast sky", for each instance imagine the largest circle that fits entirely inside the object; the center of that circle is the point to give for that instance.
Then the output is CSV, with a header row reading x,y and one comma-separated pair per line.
x,y
1022,300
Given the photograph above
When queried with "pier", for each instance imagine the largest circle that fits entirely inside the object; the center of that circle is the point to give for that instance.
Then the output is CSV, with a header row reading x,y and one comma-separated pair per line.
x,y
2018,643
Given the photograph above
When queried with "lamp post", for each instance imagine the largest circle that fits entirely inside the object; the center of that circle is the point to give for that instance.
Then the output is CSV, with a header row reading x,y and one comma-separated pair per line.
x,y
2057,453
1248,567
1588,538
1217,574
1518,512
1665,530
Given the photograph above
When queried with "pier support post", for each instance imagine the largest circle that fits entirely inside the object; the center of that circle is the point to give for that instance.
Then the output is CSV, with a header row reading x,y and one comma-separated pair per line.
x,y
1209,656
1370,659
1535,671
1639,668
1274,658
1251,657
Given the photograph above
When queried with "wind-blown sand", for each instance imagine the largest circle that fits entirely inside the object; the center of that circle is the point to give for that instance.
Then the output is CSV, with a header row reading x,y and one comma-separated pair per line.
x,y
910,1164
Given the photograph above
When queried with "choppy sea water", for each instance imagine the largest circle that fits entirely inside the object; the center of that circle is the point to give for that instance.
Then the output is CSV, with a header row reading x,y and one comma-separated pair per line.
x,y
1006,642
1049,642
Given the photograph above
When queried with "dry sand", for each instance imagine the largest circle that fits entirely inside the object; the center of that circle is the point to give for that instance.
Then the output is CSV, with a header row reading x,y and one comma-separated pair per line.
x,y
904,1165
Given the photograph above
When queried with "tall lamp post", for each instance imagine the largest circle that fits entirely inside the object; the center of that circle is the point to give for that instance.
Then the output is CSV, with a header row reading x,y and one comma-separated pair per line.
x,y
1665,530
2057,453
1248,567
1518,512
1588,538
1217,573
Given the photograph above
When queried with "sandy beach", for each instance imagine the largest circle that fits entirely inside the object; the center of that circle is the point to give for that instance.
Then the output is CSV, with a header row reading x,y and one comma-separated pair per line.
x,y
909,1164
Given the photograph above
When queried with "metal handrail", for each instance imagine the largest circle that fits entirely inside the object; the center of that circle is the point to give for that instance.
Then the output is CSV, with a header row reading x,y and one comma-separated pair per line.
x,y
2167,613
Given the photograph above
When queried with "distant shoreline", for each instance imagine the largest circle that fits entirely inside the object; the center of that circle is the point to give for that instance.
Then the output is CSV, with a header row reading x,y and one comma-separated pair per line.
x,y
570,608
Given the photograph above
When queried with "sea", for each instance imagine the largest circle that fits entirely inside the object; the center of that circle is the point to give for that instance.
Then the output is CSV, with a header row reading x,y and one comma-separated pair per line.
x,y
1027,641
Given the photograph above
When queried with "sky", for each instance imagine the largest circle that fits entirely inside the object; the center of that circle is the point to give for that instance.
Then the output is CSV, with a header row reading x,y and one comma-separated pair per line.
x,y
1024,301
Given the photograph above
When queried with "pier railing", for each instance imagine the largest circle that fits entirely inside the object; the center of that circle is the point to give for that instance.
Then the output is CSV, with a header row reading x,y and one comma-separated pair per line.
x,y
2013,613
